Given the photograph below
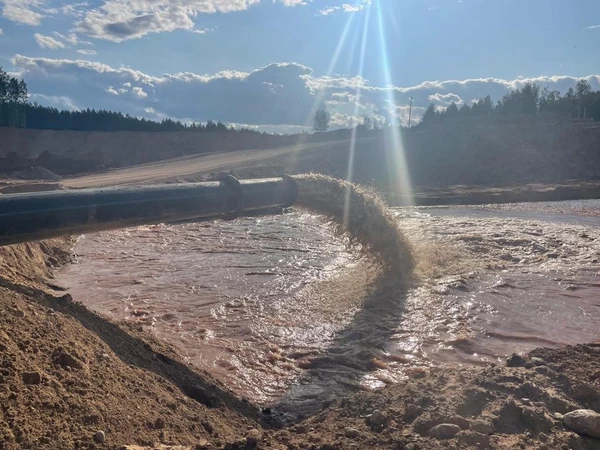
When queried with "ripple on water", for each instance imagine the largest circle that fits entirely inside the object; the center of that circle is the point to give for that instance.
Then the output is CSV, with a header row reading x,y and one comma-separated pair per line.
x,y
279,310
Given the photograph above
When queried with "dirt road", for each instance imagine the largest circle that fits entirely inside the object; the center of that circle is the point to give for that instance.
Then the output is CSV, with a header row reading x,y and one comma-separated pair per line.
x,y
189,165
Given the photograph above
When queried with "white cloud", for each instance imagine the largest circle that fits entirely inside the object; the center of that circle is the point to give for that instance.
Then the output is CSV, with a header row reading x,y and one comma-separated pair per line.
x,y
71,38
293,2
1,31
355,8
593,27
139,92
57,101
23,11
88,52
346,7
120,20
48,41
203,31
74,10
281,94
58,40
445,99
330,10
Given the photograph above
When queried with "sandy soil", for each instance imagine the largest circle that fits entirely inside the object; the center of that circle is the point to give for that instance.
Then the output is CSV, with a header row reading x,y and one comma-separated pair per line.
x,y
67,373
189,166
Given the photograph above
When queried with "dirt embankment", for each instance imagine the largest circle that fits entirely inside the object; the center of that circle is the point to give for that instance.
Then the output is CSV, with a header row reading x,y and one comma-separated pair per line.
x,y
485,152
75,152
478,162
66,373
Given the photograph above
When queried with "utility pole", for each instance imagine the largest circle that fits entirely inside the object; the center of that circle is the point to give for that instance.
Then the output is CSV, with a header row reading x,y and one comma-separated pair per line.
x,y
409,111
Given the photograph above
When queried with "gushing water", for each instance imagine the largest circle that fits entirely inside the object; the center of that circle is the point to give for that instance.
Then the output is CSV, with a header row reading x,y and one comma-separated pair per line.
x,y
283,312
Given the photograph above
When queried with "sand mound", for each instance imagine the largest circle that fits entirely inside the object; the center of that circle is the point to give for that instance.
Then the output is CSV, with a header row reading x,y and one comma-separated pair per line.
x,y
36,173
367,220
67,373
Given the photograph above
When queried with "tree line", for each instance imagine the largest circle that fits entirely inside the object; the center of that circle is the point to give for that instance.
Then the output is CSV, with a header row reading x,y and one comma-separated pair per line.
x,y
16,111
581,102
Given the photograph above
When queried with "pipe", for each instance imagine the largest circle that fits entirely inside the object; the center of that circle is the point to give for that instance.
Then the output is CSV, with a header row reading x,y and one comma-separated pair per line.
x,y
43,215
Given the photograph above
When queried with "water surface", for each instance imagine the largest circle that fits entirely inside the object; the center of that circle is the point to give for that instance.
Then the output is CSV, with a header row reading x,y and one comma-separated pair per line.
x,y
280,309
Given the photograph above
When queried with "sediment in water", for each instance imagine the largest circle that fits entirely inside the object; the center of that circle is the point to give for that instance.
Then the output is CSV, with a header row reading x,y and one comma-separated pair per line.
x,y
87,365
367,220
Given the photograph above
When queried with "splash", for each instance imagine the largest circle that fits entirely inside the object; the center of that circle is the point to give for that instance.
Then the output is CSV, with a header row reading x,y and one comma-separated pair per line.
x,y
369,225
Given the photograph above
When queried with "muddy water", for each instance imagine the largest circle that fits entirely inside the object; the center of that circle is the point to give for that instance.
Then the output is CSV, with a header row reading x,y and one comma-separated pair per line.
x,y
283,313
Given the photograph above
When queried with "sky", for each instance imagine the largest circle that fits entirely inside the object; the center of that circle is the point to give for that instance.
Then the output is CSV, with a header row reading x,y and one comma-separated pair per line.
x,y
270,64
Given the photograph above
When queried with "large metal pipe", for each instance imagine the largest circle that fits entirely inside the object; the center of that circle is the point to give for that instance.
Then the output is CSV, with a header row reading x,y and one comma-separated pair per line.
x,y
31,217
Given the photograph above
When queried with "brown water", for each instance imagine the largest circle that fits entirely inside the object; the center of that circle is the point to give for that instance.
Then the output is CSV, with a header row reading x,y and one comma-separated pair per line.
x,y
280,310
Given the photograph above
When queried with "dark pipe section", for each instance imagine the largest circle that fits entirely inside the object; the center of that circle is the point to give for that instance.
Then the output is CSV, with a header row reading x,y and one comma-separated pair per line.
x,y
31,217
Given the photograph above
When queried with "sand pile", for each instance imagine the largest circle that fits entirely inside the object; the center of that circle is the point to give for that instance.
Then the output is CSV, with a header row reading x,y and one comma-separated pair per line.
x,y
36,173
67,373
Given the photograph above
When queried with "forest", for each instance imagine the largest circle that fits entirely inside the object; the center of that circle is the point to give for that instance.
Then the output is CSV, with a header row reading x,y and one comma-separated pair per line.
x,y
581,102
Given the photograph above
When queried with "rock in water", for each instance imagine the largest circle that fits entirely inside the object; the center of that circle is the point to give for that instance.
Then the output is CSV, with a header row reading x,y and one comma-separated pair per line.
x,y
516,361
444,431
583,421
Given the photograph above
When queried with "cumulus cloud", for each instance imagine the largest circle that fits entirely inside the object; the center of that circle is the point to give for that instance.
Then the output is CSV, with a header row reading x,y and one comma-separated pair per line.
x,y
139,92
120,20
229,96
23,11
48,41
278,95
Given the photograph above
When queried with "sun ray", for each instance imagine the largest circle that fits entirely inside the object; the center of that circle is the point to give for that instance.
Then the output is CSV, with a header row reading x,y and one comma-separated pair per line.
x,y
334,60
352,149
399,175
320,94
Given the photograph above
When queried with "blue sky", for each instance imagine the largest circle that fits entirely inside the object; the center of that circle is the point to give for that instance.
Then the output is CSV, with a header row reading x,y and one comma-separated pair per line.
x,y
271,62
